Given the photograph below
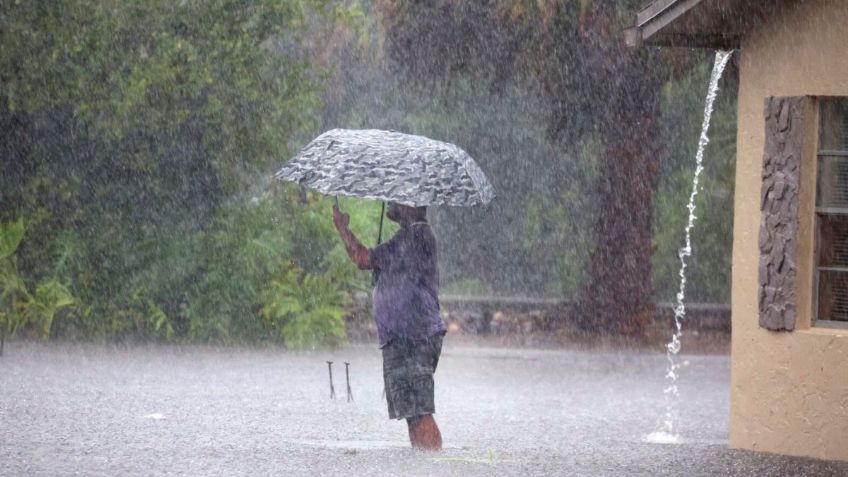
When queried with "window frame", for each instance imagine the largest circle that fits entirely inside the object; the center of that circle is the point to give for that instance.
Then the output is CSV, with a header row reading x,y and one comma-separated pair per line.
x,y
820,212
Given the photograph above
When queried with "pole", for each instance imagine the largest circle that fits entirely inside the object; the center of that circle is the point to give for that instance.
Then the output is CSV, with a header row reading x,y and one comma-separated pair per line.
x,y
380,232
347,378
332,389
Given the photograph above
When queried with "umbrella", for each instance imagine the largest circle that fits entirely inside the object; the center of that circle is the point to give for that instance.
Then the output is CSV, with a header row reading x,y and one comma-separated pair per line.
x,y
389,166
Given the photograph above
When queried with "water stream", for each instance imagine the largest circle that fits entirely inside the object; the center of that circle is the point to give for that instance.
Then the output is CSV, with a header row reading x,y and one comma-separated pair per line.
x,y
666,432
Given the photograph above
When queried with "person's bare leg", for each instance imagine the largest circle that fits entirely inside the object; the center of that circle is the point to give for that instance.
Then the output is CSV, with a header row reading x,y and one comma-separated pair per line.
x,y
424,433
412,423
432,434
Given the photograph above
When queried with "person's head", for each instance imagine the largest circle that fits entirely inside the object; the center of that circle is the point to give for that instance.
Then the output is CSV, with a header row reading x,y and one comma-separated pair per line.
x,y
406,214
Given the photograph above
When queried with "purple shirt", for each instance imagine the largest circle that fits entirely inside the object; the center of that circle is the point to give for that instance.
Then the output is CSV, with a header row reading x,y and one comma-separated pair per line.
x,y
406,296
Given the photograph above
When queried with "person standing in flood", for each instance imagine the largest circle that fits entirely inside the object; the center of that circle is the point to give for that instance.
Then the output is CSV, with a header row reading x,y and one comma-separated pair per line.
x,y
406,309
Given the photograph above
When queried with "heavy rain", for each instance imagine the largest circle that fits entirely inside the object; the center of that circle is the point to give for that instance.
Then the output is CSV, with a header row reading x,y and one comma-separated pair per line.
x,y
215,257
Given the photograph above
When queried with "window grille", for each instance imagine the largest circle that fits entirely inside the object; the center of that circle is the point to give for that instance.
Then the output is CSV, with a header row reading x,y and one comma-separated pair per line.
x,y
831,274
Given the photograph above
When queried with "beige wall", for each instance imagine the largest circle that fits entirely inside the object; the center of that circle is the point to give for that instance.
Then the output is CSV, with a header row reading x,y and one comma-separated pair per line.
x,y
789,390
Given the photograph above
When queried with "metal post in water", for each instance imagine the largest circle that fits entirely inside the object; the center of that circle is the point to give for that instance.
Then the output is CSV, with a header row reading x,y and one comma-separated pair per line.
x,y
332,389
347,379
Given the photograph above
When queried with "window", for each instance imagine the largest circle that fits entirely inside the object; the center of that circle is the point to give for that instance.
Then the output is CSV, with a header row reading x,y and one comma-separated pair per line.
x,y
831,273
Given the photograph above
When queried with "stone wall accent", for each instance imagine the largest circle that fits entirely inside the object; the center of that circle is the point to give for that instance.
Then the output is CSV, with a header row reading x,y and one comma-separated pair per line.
x,y
779,200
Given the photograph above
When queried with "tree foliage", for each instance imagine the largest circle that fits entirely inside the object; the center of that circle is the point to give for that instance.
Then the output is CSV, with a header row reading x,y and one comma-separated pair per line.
x,y
304,309
20,305
593,86
134,135
708,269
137,140
534,238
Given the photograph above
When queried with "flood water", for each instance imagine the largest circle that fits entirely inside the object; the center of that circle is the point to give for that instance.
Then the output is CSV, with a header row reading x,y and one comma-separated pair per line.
x,y
103,410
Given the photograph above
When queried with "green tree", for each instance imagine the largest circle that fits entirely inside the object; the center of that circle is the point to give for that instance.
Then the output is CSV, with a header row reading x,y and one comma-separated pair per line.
x,y
595,89
534,238
133,135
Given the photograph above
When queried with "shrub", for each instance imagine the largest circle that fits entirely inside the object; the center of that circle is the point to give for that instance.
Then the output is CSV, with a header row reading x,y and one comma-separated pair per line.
x,y
304,309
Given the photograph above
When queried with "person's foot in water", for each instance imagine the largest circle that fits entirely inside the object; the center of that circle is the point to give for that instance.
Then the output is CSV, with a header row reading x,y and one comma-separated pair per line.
x,y
424,434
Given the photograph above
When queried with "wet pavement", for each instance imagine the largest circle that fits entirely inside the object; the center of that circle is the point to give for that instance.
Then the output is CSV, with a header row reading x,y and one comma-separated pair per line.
x,y
103,410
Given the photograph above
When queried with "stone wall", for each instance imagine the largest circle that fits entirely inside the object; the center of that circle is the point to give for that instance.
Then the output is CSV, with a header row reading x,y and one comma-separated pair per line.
x,y
784,120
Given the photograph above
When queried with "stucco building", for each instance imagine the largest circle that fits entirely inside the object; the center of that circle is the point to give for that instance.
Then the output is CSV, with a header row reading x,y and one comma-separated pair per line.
x,y
789,378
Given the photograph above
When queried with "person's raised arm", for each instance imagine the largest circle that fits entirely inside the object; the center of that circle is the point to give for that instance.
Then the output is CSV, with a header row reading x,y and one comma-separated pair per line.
x,y
355,250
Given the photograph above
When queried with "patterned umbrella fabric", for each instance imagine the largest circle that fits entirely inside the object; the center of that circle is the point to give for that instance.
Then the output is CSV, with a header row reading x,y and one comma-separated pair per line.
x,y
389,166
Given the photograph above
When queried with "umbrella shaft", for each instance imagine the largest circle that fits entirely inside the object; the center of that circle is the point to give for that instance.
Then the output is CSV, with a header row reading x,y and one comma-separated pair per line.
x,y
380,232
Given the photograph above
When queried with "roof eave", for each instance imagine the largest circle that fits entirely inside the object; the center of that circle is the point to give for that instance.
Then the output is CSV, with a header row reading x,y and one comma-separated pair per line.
x,y
652,24
634,38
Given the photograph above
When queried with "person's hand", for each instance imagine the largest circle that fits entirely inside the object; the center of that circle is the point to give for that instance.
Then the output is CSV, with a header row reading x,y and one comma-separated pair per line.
x,y
340,218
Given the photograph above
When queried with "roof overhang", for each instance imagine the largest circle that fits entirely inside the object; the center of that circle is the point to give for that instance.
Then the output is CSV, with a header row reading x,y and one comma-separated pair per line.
x,y
718,24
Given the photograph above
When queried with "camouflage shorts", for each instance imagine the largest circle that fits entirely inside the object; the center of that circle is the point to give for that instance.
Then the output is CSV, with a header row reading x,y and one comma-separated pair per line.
x,y
408,368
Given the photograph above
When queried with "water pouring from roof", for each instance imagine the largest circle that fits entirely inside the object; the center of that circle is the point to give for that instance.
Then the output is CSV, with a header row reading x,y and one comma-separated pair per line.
x,y
666,432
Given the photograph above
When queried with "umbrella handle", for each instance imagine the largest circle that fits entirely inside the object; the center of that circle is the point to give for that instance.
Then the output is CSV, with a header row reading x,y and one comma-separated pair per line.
x,y
380,232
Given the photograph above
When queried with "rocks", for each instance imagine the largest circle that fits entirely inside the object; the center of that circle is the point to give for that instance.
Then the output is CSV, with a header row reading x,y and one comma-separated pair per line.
x,y
465,322
500,322
784,119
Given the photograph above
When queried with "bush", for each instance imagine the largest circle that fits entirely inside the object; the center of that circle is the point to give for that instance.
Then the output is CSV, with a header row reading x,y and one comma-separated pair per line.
x,y
304,309
18,306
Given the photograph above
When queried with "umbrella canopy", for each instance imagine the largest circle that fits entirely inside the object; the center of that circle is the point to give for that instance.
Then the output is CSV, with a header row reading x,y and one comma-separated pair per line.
x,y
389,166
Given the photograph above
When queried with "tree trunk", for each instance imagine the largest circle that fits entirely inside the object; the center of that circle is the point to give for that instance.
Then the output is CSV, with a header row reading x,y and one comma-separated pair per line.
x,y
617,296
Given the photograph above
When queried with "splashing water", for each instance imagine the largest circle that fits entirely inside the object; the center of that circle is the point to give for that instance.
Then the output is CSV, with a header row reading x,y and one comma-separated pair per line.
x,y
666,432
